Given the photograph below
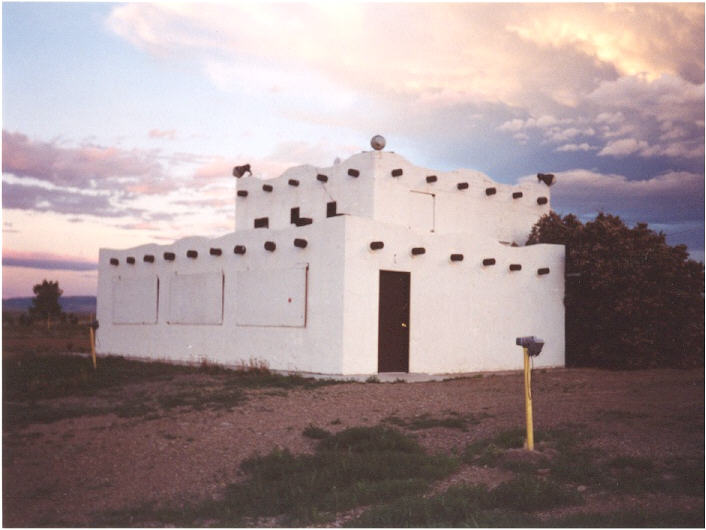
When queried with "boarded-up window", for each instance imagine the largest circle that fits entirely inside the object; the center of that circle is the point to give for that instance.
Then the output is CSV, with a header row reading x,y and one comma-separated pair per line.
x,y
135,300
196,298
274,297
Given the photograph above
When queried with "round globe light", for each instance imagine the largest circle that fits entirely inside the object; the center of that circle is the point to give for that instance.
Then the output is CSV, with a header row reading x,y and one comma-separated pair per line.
x,y
377,142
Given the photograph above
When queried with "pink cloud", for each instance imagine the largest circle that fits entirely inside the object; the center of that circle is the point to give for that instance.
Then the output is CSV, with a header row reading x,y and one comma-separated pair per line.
x,y
169,134
46,260
80,166
217,168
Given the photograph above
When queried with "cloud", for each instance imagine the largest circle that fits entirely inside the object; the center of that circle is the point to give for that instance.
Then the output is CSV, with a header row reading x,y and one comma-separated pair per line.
x,y
43,199
568,148
46,261
406,48
623,147
674,196
169,134
635,39
87,166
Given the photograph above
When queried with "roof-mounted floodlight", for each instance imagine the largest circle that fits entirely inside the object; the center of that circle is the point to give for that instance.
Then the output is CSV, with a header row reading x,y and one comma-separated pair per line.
x,y
377,142
533,344
239,171
547,178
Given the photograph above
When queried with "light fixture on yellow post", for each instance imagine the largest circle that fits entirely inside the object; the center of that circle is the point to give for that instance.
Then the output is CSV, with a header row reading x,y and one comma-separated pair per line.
x,y
531,347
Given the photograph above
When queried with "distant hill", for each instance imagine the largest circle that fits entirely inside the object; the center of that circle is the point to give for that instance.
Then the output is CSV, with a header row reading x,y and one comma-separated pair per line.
x,y
69,304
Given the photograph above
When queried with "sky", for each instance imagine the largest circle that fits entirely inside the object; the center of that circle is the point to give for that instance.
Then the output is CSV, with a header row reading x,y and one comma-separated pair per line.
x,y
121,122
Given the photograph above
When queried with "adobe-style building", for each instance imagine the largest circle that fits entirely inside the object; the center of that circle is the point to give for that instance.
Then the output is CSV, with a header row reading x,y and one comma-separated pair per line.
x,y
372,265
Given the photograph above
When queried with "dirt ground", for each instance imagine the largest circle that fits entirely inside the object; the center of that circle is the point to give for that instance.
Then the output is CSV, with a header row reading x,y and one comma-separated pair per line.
x,y
66,472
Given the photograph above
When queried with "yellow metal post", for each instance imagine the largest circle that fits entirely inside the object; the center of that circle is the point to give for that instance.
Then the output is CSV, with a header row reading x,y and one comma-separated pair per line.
x,y
93,347
528,402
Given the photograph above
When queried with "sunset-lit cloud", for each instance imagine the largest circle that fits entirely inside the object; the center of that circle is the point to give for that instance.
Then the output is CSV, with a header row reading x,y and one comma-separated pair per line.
x,y
588,192
85,166
46,261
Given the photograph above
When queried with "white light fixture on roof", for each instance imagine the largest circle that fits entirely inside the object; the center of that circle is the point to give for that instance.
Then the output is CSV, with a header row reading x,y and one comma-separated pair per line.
x,y
377,142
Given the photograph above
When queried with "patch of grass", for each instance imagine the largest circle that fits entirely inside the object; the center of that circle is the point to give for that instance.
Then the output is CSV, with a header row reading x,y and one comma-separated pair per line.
x,y
372,379
425,421
526,493
354,467
488,452
642,518
52,376
505,506
34,385
317,433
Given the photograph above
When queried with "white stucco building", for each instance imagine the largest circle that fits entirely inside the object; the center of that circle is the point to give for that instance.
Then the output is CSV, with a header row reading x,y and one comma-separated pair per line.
x,y
371,265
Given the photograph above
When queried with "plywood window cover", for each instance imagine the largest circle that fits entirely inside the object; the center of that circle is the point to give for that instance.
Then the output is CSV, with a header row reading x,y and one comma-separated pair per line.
x,y
305,269
219,323
150,322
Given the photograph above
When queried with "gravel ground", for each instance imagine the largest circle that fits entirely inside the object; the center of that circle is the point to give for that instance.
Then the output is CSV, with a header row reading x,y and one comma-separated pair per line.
x,y
66,472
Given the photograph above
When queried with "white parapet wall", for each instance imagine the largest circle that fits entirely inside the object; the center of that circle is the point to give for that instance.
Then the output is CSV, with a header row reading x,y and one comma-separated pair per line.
x,y
386,187
299,285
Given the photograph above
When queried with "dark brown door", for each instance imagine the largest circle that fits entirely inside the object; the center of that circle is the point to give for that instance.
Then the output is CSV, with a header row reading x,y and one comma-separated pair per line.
x,y
393,322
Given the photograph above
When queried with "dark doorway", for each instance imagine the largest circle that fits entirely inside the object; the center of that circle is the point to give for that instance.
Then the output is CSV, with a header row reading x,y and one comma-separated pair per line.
x,y
393,322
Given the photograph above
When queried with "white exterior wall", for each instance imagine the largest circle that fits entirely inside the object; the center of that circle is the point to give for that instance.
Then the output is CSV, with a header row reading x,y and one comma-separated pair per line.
x,y
283,345
464,316
409,200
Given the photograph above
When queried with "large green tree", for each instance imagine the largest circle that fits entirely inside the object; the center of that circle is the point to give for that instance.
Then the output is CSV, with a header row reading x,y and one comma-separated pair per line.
x,y
45,304
631,299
